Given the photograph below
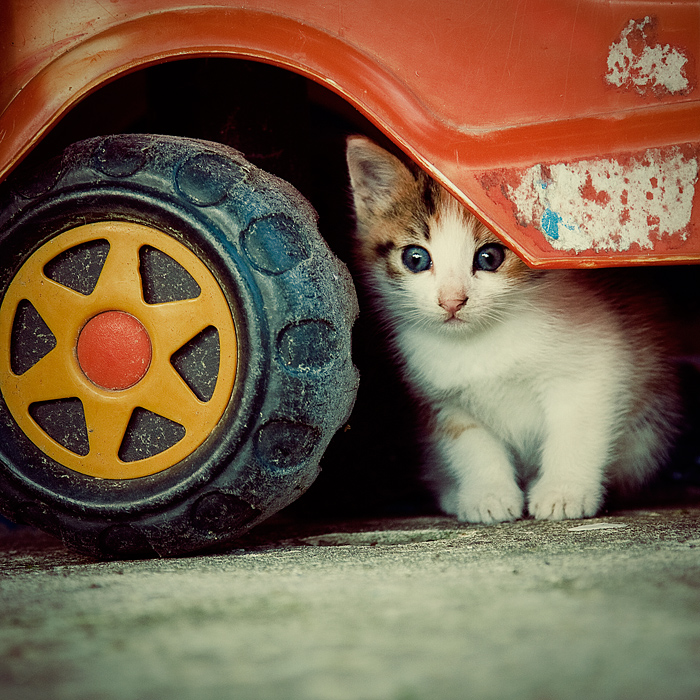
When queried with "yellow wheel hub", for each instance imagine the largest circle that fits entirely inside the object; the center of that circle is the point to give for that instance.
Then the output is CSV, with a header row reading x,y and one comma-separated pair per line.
x,y
113,351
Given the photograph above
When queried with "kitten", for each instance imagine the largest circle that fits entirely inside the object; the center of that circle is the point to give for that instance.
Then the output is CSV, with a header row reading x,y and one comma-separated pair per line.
x,y
543,388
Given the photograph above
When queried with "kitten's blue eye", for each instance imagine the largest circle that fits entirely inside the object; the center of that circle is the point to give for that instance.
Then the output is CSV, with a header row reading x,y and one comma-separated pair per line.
x,y
416,259
490,257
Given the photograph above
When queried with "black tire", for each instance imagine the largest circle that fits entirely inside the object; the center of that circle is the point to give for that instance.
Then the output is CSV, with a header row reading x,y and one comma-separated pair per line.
x,y
293,305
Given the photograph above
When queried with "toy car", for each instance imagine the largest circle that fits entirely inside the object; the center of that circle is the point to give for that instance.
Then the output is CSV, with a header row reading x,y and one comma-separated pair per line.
x,y
174,332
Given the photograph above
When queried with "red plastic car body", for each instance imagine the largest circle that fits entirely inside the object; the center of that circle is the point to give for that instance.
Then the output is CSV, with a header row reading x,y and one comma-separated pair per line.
x,y
571,127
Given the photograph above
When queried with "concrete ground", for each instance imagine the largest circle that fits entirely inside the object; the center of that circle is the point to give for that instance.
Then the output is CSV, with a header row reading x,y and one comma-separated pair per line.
x,y
398,609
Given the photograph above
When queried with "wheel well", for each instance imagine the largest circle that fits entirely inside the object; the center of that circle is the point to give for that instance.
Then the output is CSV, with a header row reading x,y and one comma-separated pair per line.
x,y
282,122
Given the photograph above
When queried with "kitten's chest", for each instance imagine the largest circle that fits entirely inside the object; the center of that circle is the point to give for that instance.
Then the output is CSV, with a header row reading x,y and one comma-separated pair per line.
x,y
447,365
496,379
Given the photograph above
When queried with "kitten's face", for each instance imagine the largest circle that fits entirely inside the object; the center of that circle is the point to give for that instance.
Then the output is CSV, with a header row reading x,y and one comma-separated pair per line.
x,y
432,262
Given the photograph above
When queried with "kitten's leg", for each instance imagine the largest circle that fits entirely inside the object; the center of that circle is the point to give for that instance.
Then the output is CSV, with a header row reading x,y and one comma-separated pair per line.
x,y
482,487
574,456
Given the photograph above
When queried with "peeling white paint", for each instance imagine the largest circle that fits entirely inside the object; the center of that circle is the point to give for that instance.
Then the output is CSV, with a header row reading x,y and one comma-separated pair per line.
x,y
637,61
607,205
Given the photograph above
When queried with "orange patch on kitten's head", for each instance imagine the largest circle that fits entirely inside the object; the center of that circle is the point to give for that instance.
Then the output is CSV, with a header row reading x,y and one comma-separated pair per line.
x,y
396,208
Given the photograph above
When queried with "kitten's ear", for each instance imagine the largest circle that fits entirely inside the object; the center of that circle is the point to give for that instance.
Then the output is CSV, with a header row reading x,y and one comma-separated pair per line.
x,y
376,176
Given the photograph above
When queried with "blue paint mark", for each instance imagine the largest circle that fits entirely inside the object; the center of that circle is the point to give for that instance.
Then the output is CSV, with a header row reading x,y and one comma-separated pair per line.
x,y
550,223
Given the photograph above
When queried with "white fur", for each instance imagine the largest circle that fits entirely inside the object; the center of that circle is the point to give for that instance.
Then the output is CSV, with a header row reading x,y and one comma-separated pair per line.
x,y
545,396
536,386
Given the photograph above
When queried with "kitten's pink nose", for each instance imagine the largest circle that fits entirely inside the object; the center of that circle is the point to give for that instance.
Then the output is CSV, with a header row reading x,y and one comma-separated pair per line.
x,y
452,306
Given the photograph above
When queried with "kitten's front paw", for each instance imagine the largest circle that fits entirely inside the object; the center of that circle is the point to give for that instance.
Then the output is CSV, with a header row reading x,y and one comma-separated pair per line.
x,y
554,501
490,508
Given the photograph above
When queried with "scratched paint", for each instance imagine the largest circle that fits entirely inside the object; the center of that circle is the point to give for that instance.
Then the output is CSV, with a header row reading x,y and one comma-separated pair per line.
x,y
608,204
638,61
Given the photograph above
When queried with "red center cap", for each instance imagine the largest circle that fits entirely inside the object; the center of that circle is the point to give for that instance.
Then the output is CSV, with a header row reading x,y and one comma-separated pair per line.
x,y
114,350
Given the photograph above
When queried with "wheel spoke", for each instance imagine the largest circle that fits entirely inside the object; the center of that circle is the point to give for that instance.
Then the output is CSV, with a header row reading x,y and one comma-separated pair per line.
x,y
106,421
50,378
120,279
62,309
171,325
173,399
